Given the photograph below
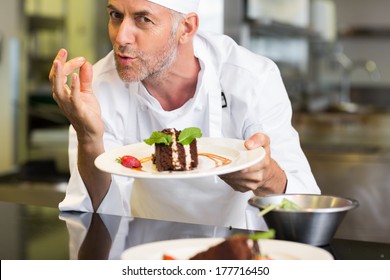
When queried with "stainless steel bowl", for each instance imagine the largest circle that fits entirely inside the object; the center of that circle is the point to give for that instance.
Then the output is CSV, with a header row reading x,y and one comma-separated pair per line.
x,y
314,223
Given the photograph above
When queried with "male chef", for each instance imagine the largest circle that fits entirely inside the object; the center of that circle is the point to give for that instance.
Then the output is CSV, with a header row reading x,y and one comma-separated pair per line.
x,y
164,73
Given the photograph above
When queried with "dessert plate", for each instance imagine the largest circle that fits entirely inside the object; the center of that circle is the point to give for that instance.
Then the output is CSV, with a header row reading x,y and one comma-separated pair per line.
x,y
183,249
216,156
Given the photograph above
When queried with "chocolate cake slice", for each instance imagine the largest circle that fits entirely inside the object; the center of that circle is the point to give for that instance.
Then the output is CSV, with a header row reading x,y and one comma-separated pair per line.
x,y
175,156
239,247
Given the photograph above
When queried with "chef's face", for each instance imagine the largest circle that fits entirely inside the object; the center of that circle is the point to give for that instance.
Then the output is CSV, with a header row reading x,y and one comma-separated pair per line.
x,y
143,36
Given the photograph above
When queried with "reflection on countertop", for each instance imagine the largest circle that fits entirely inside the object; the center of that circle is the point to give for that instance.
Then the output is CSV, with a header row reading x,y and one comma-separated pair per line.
x,y
350,156
32,233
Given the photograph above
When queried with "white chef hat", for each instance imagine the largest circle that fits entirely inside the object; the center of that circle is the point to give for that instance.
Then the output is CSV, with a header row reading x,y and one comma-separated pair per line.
x,y
181,6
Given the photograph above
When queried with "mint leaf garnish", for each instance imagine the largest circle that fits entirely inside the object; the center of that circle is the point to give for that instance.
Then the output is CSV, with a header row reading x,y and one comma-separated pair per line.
x,y
188,135
158,137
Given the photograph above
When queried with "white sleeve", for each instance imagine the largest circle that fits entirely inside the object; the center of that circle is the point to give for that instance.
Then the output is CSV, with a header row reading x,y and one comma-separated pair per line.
x,y
117,199
275,120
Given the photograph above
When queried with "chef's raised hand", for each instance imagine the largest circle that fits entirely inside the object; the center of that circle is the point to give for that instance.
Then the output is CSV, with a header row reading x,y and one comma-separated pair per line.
x,y
77,102
265,177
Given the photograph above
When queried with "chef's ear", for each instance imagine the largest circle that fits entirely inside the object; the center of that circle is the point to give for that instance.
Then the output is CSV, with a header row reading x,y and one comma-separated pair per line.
x,y
190,26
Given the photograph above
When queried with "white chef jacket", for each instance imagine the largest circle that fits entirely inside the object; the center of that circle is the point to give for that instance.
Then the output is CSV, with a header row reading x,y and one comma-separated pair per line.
x,y
239,93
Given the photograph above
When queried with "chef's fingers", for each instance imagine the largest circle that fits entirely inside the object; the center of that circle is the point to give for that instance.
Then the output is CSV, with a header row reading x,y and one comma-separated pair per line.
x,y
75,87
248,184
86,78
67,66
72,65
58,86
244,180
61,57
249,178
241,184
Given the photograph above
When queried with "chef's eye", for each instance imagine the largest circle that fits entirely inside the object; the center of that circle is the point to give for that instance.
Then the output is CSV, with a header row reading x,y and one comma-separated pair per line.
x,y
143,20
115,15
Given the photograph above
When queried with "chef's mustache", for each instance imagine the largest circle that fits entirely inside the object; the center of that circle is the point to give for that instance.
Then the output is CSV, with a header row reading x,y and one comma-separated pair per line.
x,y
126,51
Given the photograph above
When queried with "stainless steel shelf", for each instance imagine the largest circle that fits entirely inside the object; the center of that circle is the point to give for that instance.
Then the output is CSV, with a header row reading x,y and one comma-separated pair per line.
x,y
275,28
365,32
37,23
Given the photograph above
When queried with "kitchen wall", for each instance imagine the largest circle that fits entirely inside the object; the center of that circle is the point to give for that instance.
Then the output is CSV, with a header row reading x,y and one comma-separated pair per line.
x,y
81,27
211,15
10,87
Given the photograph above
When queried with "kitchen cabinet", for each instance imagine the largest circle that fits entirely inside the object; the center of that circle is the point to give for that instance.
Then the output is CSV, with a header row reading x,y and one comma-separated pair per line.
x,y
308,48
45,26
46,33
281,31
364,33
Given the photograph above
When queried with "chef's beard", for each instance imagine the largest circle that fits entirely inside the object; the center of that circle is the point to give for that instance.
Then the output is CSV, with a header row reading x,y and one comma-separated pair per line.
x,y
147,66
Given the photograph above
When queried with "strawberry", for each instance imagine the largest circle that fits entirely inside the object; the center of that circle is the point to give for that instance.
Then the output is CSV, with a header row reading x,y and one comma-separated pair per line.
x,y
129,161
168,257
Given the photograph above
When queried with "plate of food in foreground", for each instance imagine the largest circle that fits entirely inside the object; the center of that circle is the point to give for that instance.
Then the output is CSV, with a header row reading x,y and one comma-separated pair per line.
x,y
215,156
233,248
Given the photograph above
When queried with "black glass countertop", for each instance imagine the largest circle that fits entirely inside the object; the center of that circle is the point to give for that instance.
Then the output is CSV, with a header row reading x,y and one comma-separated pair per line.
x,y
31,232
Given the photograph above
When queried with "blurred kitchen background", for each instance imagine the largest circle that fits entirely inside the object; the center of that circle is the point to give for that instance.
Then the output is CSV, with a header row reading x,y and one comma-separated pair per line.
x,y
333,56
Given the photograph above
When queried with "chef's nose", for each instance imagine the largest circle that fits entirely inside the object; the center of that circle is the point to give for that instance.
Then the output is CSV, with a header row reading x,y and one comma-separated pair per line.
x,y
126,33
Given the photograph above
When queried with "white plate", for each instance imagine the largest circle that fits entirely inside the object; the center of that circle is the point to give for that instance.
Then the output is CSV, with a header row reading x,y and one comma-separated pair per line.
x,y
183,249
232,149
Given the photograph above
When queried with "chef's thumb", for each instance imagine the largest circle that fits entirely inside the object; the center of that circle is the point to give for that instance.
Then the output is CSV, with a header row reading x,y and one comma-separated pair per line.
x,y
257,140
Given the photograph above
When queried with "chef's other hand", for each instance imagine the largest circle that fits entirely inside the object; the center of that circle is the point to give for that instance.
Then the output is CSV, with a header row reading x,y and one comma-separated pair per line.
x,y
77,102
265,177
